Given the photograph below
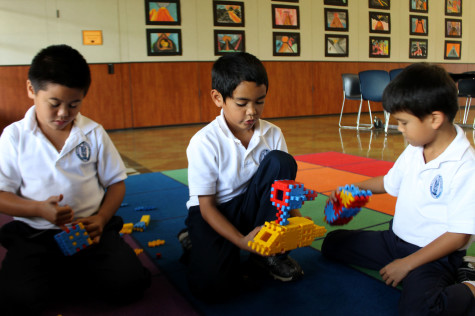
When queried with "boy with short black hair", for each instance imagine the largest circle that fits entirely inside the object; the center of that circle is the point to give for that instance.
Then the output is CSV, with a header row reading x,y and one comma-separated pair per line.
x,y
233,162
58,167
435,210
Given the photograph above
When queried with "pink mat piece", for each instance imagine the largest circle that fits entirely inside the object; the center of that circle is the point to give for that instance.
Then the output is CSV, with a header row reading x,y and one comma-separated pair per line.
x,y
331,158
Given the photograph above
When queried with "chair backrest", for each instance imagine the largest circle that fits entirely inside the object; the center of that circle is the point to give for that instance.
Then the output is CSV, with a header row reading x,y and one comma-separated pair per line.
x,y
394,72
373,83
466,87
351,86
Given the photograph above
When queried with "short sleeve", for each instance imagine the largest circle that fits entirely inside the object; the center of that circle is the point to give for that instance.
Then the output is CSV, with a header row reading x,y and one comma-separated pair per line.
x,y
202,166
10,176
110,167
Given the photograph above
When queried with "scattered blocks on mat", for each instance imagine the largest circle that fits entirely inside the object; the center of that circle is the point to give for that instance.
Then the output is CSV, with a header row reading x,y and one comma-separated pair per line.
x,y
156,243
145,208
73,239
124,204
127,228
138,251
350,199
142,224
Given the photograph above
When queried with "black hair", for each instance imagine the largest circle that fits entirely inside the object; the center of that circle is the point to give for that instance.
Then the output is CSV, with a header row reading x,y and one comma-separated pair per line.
x,y
232,69
60,64
421,89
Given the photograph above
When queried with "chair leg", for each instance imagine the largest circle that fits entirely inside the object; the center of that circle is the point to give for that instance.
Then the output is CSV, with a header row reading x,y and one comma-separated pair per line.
x,y
387,115
467,109
342,107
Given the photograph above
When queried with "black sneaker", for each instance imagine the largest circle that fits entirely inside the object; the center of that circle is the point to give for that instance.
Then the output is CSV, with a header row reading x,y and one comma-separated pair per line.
x,y
185,241
466,272
280,267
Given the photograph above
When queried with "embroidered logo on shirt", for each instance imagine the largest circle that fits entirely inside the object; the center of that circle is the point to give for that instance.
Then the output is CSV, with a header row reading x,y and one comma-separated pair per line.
x,y
83,151
437,186
263,154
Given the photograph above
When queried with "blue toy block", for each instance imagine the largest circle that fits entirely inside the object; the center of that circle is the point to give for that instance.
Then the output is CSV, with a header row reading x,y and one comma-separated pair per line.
x,y
73,239
145,208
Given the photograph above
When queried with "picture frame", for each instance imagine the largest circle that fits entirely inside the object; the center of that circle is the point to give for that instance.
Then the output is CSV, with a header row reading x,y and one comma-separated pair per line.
x,y
286,44
418,25
453,50
229,41
162,12
420,6
336,45
379,4
285,17
379,22
379,47
453,7
336,20
341,3
228,13
418,48
164,42
453,28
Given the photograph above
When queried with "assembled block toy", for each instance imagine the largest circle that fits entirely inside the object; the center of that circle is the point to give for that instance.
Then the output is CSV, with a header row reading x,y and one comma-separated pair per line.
x,y
287,233
73,239
349,203
127,228
142,225
156,243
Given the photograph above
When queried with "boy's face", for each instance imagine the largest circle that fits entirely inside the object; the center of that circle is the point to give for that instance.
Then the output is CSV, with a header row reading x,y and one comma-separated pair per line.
x,y
57,106
244,109
417,132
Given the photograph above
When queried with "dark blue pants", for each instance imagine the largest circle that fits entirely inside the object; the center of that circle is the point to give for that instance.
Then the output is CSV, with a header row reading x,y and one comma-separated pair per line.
x,y
430,289
214,261
35,272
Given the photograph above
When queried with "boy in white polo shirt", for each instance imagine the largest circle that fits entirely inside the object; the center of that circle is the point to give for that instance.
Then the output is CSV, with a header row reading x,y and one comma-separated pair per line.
x,y
58,167
232,163
434,220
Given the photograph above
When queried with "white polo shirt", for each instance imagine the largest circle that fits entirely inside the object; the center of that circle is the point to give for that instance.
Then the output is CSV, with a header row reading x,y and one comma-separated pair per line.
x,y
31,167
218,163
436,197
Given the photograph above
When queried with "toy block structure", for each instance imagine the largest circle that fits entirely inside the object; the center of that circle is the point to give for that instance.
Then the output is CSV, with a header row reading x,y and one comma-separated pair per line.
x,y
127,228
145,208
287,233
142,224
350,200
156,243
73,239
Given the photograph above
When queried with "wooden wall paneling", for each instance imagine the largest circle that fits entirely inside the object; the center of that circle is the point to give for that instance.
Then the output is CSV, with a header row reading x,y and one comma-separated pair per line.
x,y
290,89
108,99
14,101
208,110
164,93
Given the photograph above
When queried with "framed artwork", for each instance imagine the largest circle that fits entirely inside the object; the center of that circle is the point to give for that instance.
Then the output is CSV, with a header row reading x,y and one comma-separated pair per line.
x,y
228,13
379,47
453,7
453,50
418,48
419,25
453,28
379,22
164,42
336,19
421,6
379,4
286,44
336,45
343,3
162,12
285,17
226,41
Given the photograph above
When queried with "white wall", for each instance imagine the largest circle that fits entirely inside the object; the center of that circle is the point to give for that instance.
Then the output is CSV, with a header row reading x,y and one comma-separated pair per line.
x,y
26,26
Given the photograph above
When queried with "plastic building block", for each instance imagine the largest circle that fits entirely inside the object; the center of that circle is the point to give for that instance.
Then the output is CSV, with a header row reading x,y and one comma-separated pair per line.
x,y
73,239
350,199
124,204
274,238
158,255
138,251
127,228
142,224
145,208
156,243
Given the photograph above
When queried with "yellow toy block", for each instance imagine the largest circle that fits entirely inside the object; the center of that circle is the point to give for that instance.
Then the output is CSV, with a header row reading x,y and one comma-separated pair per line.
x,y
145,219
127,228
156,243
142,225
138,251
274,238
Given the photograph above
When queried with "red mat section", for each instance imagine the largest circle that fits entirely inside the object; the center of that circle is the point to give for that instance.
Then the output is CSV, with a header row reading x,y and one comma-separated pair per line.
x,y
331,158
372,168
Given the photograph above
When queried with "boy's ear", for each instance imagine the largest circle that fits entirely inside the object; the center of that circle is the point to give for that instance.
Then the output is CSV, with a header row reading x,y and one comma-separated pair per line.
x,y
438,118
30,90
217,98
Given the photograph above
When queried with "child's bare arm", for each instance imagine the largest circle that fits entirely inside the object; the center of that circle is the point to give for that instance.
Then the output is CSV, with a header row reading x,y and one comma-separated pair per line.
x,y
375,185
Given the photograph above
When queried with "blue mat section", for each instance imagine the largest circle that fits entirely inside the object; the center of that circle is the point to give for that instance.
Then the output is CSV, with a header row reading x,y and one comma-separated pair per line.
x,y
328,288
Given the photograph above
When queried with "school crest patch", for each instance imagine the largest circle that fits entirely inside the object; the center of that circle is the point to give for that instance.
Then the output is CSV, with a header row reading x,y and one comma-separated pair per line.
x,y
263,154
83,151
437,186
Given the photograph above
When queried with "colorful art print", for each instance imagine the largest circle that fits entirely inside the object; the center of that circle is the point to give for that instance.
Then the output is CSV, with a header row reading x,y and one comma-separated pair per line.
x,y
162,12
164,42
336,19
285,17
453,50
286,44
453,7
379,4
228,13
379,22
419,25
421,6
229,42
379,47
336,45
343,3
453,28
418,48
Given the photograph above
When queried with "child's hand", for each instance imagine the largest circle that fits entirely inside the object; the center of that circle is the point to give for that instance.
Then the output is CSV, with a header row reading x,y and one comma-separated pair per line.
x,y
249,237
333,196
54,213
394,272
94,226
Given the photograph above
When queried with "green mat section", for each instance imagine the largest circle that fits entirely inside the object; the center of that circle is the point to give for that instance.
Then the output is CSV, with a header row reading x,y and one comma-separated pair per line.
x,y
180,175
